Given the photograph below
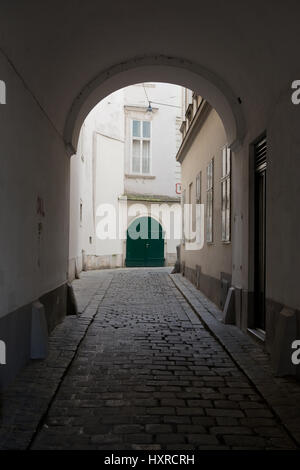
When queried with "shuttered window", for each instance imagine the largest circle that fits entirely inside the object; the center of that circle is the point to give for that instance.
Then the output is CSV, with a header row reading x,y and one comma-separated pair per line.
x,y
209,201
260,152
182,216
226,194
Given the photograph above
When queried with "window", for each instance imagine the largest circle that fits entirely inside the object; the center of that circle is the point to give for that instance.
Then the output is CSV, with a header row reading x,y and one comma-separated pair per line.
x,y
225,194
190,213
209,201
182,216
198,188
140,151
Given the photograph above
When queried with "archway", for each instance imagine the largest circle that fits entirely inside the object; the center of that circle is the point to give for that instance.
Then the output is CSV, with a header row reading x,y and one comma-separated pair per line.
x,y
159,68
145,243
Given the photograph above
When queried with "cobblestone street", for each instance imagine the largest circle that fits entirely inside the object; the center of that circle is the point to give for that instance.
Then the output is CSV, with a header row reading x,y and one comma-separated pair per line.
x,y
138,369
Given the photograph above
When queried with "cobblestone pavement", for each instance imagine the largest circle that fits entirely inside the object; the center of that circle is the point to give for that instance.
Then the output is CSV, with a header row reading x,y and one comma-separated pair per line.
x,y
138,369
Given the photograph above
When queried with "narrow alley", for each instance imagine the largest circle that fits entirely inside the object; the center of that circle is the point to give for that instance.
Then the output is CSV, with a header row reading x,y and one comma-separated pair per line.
x,y
147,364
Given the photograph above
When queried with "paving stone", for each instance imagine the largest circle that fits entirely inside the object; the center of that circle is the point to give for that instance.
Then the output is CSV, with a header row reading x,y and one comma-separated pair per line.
x,y
222,412
158,428
161,410
226,404
138,371
191,428
258,413
202,439
254,422
138,438
177,419
250,404
199,403
224,430
170,438
190,411
281,443
203,421
105,439
268,431
245,441
227,421
172,402
127,428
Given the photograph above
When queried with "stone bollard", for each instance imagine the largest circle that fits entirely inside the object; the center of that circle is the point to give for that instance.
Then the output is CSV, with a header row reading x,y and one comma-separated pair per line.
x,y
72,307
229,308
176,268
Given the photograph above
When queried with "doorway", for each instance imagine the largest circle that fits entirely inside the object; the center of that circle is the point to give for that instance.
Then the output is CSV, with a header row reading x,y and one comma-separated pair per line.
x,y
145,243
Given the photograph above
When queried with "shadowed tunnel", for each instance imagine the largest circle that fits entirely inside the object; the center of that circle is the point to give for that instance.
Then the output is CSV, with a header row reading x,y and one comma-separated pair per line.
x,y
58,60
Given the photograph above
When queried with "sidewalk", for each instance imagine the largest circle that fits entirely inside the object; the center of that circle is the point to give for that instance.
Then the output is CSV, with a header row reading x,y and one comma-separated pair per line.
x,y
28,399
281,394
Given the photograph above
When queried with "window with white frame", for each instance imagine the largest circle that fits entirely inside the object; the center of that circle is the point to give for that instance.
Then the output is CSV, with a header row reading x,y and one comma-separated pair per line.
x,y
140,147
226,193
209,201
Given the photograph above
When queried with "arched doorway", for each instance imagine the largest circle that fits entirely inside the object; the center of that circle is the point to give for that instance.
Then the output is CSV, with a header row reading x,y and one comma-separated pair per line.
x,y
145,243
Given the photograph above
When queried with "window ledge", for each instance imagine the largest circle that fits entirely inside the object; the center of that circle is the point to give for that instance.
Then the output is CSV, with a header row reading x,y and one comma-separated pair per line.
x,y
140,176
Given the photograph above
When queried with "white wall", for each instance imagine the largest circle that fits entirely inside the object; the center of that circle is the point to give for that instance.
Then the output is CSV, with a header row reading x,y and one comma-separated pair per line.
x,y
33,164
90,184
164,137
109,186
98,170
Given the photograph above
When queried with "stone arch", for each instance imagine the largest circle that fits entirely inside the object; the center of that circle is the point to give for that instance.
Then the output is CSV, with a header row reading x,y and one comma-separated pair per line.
x,y
159,68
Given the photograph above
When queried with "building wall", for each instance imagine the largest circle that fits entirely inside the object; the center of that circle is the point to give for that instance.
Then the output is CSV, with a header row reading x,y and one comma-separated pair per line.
x,y
165,136
100,170
97,173
206,267
235,262
282,220
34,214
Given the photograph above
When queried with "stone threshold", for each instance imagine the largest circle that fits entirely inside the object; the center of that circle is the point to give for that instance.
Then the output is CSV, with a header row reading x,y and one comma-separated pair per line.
x,y
281,394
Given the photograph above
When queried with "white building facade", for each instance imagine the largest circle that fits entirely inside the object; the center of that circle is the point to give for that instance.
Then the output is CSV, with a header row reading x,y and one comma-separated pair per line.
x,y
124,173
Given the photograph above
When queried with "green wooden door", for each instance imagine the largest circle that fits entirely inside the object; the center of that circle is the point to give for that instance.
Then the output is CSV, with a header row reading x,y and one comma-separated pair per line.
x,y
145,243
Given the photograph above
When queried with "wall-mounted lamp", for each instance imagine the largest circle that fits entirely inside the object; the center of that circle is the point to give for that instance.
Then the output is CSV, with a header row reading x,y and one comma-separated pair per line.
x,y
149,110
